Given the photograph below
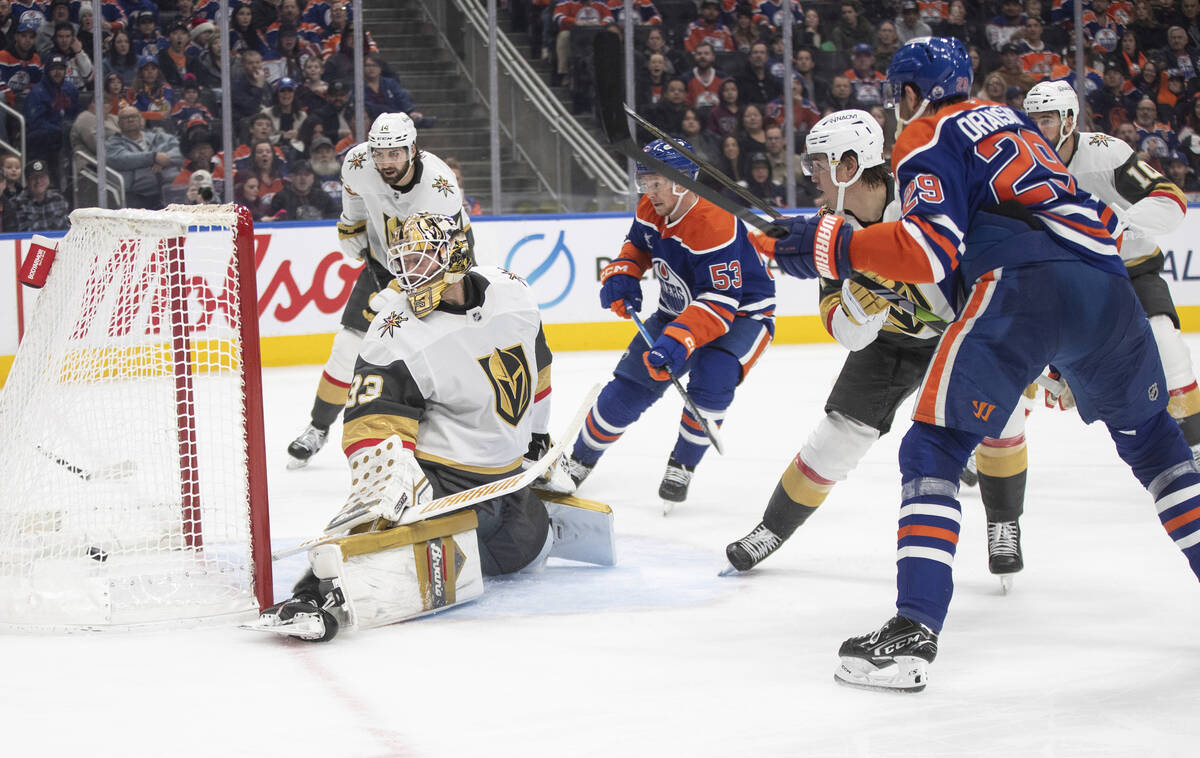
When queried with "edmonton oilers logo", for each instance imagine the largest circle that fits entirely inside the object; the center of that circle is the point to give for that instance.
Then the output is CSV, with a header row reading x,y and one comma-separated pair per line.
x,y
673,293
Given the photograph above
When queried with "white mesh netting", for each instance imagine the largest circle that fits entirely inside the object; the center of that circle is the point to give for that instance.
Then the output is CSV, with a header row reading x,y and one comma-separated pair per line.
x,y
123,466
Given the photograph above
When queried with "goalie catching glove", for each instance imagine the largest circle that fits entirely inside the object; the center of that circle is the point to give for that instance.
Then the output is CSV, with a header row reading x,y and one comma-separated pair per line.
x,y
386,480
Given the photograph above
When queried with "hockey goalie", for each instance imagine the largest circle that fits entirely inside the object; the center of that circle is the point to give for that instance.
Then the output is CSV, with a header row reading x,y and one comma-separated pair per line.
x,y
451,384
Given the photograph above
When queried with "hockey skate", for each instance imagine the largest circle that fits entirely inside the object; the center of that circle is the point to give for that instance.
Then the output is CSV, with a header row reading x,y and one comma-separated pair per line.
x,y
306,446
577,470
302,618
750,550
674,487
1004,551
893,657
970,474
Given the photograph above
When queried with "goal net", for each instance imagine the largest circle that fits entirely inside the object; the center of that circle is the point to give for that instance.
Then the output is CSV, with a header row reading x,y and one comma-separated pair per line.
x,y
132,483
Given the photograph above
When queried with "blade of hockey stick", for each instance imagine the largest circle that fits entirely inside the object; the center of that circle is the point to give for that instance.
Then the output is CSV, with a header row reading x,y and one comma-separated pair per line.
x,y
475,495
710,430
111,471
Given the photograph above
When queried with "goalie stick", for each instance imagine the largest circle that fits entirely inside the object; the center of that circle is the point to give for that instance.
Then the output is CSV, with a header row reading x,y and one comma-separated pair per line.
x,y
443,505
710,430
111,471
613,110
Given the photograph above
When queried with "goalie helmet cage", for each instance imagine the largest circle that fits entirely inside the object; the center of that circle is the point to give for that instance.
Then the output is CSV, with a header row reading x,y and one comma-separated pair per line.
x,y
132,464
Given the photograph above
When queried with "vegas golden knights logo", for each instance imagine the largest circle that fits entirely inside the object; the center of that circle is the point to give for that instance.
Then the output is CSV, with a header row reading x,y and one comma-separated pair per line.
x,y
907,322
508,371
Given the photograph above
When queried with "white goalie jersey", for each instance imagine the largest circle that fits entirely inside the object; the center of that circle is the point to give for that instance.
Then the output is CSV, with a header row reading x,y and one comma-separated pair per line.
x,y
372,208
458,385
1145,201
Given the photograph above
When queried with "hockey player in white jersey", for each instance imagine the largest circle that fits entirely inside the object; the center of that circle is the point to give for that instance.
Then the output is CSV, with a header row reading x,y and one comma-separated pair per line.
x,y
890,352
384,181
453,375
1147,204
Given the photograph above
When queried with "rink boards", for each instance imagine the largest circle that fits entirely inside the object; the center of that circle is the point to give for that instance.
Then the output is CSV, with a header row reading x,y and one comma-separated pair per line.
x,y
304,282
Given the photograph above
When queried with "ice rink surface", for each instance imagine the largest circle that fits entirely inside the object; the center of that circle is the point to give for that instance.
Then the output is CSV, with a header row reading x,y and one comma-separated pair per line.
x,y
1095,653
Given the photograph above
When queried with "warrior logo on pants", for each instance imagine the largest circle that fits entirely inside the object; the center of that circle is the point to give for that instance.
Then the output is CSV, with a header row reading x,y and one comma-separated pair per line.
x,y
508,371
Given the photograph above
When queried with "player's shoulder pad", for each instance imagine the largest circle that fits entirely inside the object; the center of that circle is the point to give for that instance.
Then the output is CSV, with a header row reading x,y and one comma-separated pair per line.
x,y
706,228
507,292
929,129
1097,151
395,333
356,163
437,175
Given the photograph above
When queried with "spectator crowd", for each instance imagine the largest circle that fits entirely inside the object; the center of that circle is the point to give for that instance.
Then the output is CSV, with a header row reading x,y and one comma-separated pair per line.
x,y
292,111
714,71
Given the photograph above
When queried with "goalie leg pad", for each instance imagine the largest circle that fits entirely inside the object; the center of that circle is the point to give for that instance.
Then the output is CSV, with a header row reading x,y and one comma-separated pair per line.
x,y
402,573
582,529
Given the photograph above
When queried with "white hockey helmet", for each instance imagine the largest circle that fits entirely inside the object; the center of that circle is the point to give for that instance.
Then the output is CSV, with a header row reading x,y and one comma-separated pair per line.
x,y
1058,97
426,254
392,130
835,135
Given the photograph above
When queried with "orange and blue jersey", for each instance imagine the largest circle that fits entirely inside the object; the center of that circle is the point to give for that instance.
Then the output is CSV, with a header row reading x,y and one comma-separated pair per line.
x,y
971,157
644,12
707,270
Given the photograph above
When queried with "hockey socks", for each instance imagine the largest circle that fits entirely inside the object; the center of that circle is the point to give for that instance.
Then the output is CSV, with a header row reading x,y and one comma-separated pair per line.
x,y
931,458
692,443
331,397
799,492
621,403
1003,466
1162,462
1176,495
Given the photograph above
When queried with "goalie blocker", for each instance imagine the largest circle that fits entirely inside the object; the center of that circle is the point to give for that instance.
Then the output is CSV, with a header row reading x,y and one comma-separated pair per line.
x,y
383,577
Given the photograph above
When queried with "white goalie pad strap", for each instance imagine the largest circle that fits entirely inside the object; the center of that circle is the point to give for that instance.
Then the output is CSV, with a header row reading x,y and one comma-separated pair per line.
x,y
582,529
405,572
1176,358
340,364
837,445
385,481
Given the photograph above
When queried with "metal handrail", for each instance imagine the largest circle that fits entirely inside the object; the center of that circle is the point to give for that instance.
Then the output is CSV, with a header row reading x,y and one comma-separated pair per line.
x,y
5,108
84,166
590,153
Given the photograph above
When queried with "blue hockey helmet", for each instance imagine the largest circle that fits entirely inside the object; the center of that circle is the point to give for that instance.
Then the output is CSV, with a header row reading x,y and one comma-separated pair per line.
x,y
938,66
670,156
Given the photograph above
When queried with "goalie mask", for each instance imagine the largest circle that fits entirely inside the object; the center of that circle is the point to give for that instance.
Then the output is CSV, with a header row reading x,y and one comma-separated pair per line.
x,y
426,255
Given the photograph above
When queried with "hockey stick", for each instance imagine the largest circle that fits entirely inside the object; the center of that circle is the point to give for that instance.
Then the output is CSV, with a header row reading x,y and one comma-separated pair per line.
x,y
713,171
111,471
613,110
475,495
709,430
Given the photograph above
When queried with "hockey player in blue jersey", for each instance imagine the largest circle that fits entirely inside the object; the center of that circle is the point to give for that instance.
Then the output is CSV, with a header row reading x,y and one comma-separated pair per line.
x,y
985,200
715,317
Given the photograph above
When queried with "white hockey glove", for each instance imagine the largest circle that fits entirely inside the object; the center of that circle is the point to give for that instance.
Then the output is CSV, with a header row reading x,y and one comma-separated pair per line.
x,y
356,248
555,478
388,298
385,481
857,322
1057,393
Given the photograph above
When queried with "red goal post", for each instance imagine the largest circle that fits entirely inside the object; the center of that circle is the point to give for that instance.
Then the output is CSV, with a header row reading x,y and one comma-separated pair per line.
x,y
132,462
